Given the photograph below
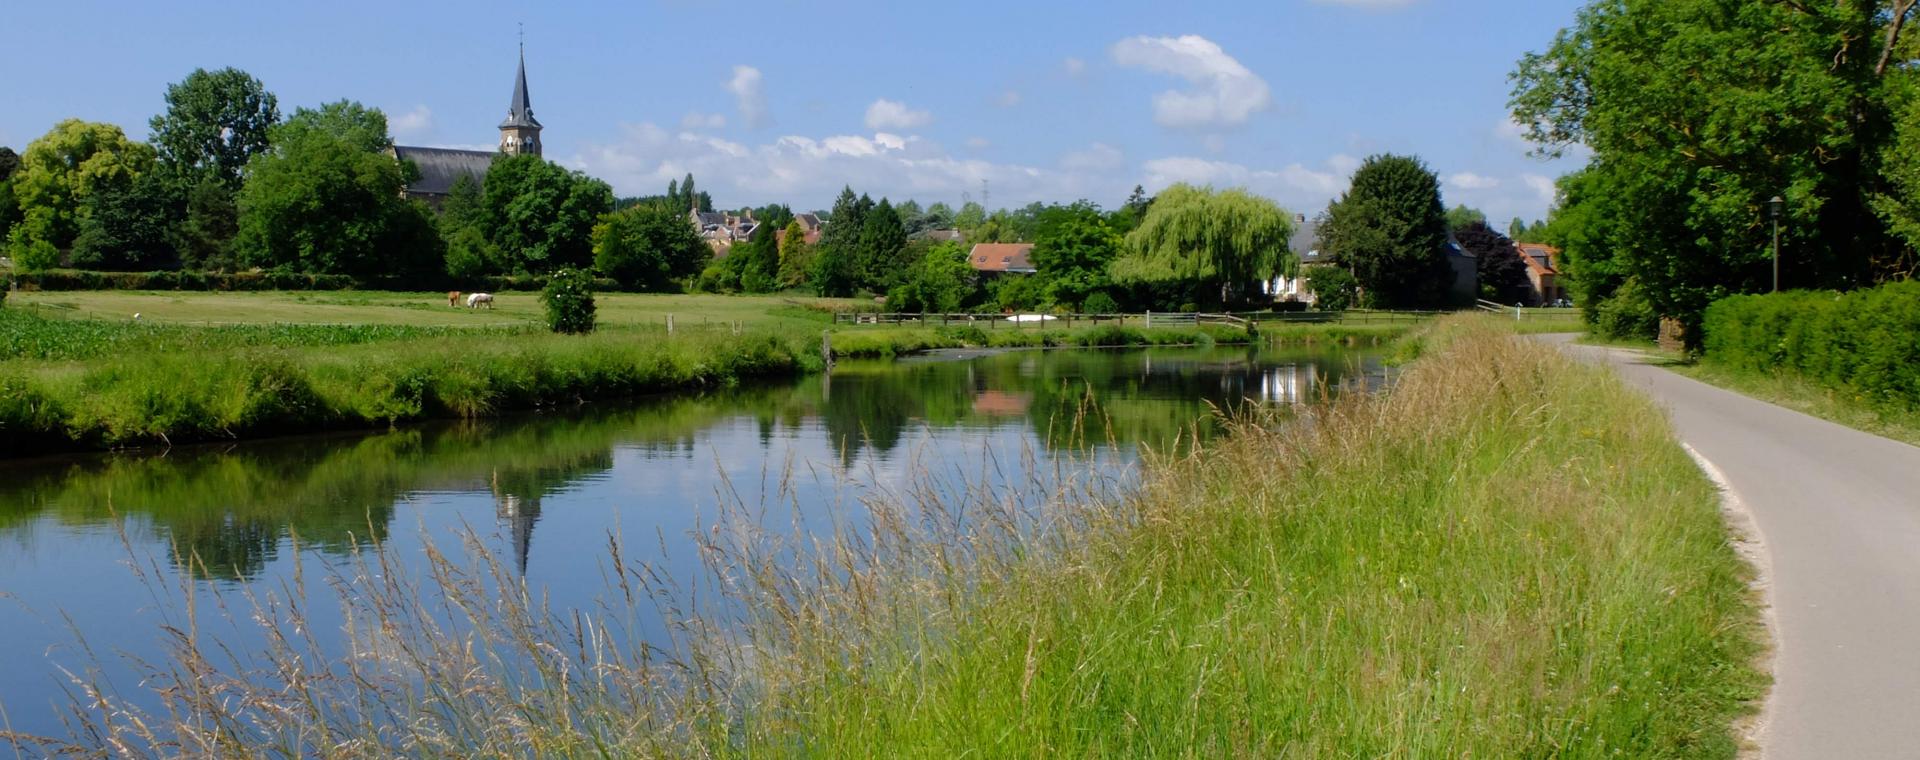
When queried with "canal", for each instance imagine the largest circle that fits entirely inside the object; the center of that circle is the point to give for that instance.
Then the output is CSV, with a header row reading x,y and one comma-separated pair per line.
x,y
99,553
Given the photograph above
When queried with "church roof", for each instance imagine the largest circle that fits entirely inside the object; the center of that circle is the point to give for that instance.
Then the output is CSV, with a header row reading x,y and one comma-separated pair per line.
x,y
520,111
441,167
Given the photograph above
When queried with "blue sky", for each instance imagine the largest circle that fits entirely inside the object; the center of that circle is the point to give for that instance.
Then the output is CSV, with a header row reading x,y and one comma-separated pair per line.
x,y
782,101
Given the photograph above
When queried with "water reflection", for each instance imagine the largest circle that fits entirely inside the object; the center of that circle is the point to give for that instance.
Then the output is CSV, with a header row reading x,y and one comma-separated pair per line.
x,y
234,508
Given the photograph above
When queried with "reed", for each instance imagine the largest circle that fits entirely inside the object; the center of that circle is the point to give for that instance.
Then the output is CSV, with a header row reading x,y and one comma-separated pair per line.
x,y
1505,555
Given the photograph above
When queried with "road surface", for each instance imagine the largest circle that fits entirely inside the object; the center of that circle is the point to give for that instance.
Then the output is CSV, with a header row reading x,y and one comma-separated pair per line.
x,y
1839,513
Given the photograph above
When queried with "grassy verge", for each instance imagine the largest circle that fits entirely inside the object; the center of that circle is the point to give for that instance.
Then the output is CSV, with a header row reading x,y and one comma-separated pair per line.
x,y
1807,397
1505,556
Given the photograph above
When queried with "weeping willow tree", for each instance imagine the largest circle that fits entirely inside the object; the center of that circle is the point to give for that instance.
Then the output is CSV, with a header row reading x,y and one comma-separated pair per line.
x,y
1225,238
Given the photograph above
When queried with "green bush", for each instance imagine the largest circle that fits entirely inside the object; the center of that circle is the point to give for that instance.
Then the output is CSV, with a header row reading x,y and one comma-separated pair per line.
x,y
1863,342
1332,287
1626,314
1100,303
569,300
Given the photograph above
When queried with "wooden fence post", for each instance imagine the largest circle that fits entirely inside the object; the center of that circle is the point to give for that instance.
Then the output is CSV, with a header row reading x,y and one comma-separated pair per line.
x,y
669,323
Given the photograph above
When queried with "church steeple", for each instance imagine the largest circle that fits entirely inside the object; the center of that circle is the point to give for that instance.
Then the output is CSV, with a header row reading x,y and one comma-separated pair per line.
x,y
520,133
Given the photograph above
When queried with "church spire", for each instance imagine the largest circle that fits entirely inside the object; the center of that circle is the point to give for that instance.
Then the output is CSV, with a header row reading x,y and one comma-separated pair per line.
x,y
520,133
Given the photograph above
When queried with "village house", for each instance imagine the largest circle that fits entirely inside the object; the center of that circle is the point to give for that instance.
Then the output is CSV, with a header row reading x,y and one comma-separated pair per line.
x,y
721,230
1002,258
1543,272
1305,243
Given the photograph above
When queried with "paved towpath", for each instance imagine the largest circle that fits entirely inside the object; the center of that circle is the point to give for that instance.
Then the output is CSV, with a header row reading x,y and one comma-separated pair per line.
x,y
1839,513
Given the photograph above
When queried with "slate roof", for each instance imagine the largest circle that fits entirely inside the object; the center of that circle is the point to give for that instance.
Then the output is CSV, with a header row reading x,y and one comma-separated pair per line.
x,y
1002,257
1305,242
441,167
520,111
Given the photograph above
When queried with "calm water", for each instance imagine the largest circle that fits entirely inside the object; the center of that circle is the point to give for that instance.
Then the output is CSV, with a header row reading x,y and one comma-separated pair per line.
x,y
546,492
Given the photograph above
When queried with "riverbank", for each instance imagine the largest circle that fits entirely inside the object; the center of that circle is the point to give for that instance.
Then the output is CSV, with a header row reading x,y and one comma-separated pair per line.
x,y
1507,555
80,384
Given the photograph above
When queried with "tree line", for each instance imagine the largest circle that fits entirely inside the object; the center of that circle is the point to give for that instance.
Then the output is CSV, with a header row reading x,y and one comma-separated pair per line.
x,y
1697,113
226,184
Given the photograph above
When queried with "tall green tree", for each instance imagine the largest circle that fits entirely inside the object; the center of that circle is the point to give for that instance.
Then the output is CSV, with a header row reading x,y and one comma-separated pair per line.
x,y
125,227
650,247
1460,216
881,248
325,201
835,270
759,261
205,237
9,206
1699,111
795,255
1072,250
1228,240
939,281
215,122
1390,230
363,128
57,174
540,216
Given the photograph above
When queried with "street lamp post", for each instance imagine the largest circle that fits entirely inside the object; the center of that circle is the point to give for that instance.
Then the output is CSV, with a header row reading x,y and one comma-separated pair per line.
x,y
1778,204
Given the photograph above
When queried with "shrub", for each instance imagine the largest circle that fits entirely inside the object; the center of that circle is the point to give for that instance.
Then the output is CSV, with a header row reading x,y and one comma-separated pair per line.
x,y
1626,314
1864,342
1332,288
1100,303
569,300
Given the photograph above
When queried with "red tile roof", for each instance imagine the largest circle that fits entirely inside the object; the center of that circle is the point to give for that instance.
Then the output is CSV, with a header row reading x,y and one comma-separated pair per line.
x,y
1539,258
1002,257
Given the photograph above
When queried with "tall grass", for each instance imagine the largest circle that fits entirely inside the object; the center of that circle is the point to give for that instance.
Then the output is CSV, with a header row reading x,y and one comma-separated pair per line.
x,y
1504,556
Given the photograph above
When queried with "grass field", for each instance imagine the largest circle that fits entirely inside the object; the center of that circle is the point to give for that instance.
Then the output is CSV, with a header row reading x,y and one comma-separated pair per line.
x,y
418,309
1505,555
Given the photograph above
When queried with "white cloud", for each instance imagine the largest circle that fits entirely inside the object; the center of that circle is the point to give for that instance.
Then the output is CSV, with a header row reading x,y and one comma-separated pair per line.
x,y
808,171
698,120
1513,133
749,95
1470,181
1096,157
1074,67
1224,93
1542,187
892,114
414,122
978,143
1297,187
1007,99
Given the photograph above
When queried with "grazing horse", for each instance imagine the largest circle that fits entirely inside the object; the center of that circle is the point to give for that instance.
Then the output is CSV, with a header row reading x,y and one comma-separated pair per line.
x,y
474,300
453,298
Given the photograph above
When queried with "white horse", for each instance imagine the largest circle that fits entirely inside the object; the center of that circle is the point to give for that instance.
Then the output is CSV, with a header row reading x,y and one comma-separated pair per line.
x,y
474,300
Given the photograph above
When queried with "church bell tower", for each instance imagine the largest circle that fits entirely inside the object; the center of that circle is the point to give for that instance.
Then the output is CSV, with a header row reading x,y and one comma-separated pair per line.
x,y
520,133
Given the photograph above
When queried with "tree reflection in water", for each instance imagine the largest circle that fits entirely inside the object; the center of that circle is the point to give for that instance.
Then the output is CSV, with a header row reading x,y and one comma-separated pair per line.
x,y
234,509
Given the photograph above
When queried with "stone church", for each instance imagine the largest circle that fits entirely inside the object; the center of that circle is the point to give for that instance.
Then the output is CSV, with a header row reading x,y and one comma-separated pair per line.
x,y
440,168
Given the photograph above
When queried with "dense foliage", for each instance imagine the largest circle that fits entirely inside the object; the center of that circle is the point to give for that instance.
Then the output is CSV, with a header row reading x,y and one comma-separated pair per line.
x,y
1075,245
1503,274
1865,342
540,216
57,174
1333,288
648,247
1390,230
324,200
1696,113
215,123
1227,240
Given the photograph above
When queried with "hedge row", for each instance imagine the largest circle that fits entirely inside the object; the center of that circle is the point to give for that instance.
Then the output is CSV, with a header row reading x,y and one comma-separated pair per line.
x,y
79,279
1866,342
